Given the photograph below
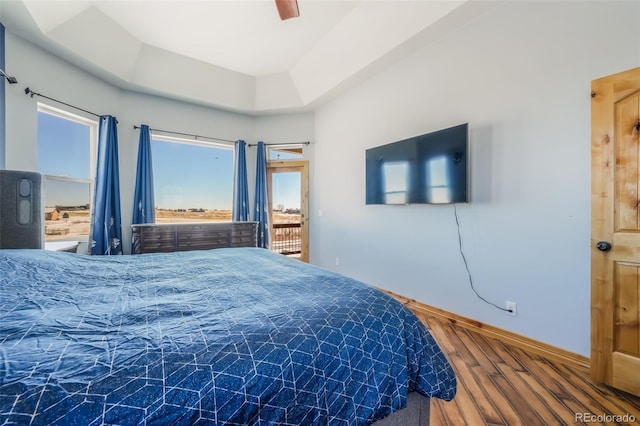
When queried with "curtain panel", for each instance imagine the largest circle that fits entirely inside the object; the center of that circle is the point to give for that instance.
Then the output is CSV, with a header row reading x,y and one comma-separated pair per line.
x,y
106,223
144,206
261,201
240,211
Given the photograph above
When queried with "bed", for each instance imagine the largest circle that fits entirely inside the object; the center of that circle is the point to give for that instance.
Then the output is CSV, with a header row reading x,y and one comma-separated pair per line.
x,y
231,336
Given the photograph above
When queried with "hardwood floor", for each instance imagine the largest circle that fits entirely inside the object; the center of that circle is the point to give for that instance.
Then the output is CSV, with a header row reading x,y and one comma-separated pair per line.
x,y
503,385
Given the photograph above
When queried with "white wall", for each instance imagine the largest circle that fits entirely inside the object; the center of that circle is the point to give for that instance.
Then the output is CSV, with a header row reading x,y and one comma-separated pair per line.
x,y
44,73
47,74
289,128
520,75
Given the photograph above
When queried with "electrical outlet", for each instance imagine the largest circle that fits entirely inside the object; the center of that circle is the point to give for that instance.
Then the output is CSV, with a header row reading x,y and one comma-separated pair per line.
x,y
337,261
512,308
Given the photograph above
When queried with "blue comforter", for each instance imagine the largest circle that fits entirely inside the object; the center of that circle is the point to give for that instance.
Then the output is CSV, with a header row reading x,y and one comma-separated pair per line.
x,y
229,336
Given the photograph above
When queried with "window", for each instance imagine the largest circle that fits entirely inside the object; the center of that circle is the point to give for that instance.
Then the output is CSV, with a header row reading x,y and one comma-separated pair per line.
x,y
193,181
66,159
288,152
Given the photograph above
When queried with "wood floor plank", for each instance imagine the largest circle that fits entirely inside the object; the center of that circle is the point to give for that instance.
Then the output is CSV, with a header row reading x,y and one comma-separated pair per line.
x,y
532,398
533,364
576,409
570,395
485,408
436,329
508,357
553,405
487,346
480,357
465,401
452,413
596,400
494,394
455,341
555,383
499,384
526,414
436,415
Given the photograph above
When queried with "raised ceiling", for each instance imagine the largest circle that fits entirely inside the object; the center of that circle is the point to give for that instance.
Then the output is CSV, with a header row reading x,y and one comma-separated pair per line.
x,y
233,54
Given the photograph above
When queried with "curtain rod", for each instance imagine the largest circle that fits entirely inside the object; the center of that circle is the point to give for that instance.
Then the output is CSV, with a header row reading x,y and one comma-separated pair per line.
x,y
28,91
219,139
187,134
283,143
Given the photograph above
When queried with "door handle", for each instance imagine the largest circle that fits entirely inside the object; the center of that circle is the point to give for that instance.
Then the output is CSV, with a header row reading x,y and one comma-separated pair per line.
x,y
603,246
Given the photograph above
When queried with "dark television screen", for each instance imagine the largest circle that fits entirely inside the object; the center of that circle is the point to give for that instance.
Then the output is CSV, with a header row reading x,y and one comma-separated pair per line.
x,y
427,169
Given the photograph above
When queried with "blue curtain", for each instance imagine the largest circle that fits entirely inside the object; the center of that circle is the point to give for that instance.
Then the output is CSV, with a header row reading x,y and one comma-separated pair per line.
x,y
144,206
261,202
106,223
240,210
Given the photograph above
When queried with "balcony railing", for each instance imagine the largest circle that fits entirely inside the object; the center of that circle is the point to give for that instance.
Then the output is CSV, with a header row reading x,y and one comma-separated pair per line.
x,y
286,238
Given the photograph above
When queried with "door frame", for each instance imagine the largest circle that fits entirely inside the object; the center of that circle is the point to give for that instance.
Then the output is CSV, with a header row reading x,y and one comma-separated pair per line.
x,y
286,166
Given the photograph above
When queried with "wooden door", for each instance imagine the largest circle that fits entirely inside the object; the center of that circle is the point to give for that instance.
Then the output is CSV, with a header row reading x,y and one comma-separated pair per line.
x,y
615,231
296,231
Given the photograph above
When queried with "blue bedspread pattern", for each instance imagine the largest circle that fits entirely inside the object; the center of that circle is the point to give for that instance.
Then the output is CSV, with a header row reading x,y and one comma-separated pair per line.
x,y
228,336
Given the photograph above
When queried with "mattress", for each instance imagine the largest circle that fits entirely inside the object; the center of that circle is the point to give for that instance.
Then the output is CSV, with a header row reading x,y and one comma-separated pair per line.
x,y
228,336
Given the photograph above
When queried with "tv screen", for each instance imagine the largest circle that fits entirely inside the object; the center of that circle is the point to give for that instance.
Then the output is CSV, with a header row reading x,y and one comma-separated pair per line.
x,y
427,169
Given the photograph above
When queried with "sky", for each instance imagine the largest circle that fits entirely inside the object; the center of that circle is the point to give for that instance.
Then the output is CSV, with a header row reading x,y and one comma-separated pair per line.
x,y
286,190
192,176
185,175
63,150
62,147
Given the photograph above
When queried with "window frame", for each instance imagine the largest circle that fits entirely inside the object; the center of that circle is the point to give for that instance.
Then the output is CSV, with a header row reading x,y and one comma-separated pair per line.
x,y
93,125
159,136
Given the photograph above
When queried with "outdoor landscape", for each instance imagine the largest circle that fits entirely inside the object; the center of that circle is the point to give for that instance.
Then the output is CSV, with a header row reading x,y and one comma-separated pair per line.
x,y
65,223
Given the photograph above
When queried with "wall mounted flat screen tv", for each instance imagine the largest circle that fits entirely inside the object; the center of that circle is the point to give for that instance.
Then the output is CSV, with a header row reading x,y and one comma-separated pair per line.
x,y
427,169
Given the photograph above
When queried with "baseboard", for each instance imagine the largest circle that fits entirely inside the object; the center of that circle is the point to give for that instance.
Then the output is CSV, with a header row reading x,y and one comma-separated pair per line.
x,y
507,337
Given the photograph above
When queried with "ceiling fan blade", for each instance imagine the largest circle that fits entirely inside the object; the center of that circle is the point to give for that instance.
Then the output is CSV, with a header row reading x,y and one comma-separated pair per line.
x,y
287,9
